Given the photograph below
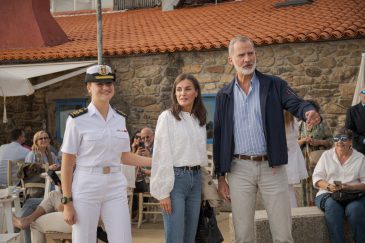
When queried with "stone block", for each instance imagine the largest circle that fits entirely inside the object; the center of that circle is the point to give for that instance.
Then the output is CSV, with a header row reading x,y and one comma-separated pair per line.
x,y
284,51
148,71
295,60
192,68
347,90
334,108
308,225
172,72
313,72
226,78
305,51
266,61
327,62
215,69
144,101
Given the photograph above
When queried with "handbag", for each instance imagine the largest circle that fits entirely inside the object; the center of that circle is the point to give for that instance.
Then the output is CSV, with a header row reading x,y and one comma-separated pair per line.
x,y
209,189
346,196
208,231
30,176
141,186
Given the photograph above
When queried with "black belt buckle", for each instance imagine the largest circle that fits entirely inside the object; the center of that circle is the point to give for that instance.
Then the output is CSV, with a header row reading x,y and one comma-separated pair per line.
x,y
190,168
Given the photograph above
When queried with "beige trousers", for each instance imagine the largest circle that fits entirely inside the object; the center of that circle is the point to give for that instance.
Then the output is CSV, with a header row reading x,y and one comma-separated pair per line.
x,y
244,180
46,223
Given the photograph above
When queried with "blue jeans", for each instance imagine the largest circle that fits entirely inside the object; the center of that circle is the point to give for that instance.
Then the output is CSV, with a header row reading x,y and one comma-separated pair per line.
x,y
181,225
28,208
335,214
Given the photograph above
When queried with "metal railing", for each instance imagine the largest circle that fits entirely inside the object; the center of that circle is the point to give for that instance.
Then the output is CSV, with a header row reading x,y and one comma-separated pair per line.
x,y
135,4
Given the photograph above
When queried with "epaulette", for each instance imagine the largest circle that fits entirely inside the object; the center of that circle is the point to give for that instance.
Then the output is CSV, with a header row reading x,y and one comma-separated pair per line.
x,y
78,112
120,113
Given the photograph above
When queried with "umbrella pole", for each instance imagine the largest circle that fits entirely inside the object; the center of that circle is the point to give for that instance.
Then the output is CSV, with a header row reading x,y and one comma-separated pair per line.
x,y
100,32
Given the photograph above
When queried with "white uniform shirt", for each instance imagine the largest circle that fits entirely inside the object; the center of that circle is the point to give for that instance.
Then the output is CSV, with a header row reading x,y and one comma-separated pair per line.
x,y
96,142
177,143
330,169
10,151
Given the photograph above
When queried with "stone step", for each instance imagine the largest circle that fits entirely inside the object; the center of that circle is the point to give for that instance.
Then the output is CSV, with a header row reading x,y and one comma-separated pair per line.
x,y
308,226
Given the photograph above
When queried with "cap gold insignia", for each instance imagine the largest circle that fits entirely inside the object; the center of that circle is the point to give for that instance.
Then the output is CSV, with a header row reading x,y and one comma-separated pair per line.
x,y
102,70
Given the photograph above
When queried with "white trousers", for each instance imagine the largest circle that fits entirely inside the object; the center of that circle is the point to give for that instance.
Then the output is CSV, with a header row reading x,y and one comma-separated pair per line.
x,y
244,180
100,195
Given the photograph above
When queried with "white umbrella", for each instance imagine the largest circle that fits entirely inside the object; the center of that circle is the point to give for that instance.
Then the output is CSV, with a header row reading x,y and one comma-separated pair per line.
x,y
360,81
12,85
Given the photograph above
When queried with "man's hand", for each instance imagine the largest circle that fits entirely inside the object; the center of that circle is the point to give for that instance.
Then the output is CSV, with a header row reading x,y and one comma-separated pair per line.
x,y
166,205
223,188
313,118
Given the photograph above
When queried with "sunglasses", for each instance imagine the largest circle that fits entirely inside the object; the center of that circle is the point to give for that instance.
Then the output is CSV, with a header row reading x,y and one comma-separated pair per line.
x,y
342,138
362,92
44,138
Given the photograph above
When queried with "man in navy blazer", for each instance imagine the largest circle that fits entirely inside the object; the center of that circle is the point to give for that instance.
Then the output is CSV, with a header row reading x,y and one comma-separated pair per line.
x,y
355,121
249,148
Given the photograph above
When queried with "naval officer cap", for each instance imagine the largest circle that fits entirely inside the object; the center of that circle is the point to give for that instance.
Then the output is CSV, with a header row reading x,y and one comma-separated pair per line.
x,y
99,74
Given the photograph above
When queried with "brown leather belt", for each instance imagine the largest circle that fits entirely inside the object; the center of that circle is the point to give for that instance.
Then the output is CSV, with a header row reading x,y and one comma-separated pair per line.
x,y
250,157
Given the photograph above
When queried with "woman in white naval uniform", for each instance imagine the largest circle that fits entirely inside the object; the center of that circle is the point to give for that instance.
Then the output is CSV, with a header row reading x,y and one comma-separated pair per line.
x,y
179,151
95,142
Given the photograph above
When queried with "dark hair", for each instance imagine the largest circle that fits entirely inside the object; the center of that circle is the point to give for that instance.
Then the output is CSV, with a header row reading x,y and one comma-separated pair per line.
x,y
343,131
198,110
314,104
134,135
15,134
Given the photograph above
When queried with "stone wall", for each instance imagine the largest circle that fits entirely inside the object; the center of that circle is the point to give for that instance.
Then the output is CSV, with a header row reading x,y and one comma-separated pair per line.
x,y
323,71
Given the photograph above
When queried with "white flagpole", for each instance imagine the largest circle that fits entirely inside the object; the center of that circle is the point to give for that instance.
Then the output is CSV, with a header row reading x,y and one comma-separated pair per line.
x,y
360,81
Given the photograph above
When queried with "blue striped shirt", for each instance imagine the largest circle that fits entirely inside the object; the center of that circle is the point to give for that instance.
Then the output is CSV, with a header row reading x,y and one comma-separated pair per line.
x,y
249,135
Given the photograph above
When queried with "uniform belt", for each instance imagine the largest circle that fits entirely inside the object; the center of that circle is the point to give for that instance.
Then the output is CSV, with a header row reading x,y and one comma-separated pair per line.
x,y
194,168
100,170
251,157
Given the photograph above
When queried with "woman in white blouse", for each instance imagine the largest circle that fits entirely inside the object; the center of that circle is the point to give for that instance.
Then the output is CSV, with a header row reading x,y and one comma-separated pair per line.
x,y
179,152
347,166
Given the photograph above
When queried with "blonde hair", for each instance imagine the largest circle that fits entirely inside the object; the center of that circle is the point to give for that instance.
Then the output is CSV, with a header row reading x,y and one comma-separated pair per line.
x,y
37,151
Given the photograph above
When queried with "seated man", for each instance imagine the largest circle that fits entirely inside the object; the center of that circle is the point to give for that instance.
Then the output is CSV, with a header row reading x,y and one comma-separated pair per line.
x,y
12,151
46,217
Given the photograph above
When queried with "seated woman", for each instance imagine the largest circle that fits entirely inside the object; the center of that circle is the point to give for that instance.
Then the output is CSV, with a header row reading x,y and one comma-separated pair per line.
x,y
347,166
41,152
312,138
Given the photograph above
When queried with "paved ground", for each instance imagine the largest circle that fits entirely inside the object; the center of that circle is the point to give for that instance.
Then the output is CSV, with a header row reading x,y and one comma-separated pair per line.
x,y
153,232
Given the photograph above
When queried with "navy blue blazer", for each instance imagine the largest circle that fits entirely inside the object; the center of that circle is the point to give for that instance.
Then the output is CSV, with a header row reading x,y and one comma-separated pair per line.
x,y
355,121
275,95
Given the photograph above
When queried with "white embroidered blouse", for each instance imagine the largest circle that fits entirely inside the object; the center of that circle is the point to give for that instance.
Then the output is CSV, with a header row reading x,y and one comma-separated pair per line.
x,y
177,143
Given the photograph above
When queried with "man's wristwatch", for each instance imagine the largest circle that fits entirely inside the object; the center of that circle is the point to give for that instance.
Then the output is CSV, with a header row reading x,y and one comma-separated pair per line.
x,y
65,200
221,174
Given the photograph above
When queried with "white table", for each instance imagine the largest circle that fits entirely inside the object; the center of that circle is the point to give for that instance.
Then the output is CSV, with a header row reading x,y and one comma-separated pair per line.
x,y
6,204
47,187
10,238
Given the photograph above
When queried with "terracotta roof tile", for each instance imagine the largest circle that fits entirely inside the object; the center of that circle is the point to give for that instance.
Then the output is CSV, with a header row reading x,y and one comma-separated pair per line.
x,y
205,27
